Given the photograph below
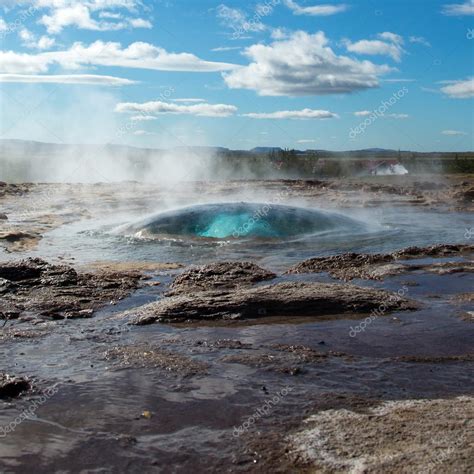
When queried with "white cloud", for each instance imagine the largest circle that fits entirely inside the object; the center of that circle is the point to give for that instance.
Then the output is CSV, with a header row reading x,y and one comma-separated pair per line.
x,y
399,80
96,15
45,42
111,15
140,23
137,55
280,33
143,118
29,40
419,40
225,48
459,9
319,10
158,107
238,20
459,89
453,132
306,140
304,114
366,113
3,25
143,133
388,44
188,100
86,79
302,65
393,37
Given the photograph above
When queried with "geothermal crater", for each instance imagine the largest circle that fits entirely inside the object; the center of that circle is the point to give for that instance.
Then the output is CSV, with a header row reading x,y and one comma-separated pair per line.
x,y
237,220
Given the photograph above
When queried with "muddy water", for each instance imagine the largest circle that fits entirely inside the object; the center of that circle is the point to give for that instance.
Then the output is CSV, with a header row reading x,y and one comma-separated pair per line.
x,y
226,374
184,398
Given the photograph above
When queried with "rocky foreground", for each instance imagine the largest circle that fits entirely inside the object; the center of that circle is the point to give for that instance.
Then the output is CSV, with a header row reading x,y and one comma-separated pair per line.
x,y
243,369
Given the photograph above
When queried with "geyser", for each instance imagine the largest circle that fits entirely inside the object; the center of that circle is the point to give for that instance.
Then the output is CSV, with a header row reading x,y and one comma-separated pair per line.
x,y
243,220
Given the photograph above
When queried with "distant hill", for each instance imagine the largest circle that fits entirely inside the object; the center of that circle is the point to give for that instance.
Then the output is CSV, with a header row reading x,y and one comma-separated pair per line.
x,y
25,147
265,149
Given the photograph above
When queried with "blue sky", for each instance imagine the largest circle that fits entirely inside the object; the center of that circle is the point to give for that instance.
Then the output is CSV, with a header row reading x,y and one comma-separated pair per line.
x,y
297,74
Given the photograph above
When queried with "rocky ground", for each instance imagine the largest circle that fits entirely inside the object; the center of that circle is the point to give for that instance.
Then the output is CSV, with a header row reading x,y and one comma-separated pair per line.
x,y
244,369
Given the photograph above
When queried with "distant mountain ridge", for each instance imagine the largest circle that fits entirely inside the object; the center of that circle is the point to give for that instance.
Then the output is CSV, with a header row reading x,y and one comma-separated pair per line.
x,y
26,146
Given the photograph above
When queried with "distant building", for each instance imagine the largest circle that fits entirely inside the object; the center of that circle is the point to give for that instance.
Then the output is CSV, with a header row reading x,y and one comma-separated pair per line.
x,y
386,167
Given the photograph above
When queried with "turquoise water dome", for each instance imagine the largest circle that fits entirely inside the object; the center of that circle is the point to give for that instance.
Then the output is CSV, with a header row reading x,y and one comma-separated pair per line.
x,y
244,220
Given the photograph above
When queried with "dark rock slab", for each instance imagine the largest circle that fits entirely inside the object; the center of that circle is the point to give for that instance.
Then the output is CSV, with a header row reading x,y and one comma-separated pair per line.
x,y
58,291
348,266
12,387
282,299
217,276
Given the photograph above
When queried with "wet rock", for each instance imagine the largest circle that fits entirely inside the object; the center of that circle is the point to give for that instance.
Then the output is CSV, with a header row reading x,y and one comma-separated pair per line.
x,y
59,292
35,271
18,241
283,299
222,344
428,435
3,217
441,250
12,387
346,266
436,359
149,356
221,275
465,195
128,266
349,266
284,358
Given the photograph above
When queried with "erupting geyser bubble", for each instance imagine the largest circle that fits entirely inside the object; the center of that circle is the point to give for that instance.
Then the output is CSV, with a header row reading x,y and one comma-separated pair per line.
x,y
243,220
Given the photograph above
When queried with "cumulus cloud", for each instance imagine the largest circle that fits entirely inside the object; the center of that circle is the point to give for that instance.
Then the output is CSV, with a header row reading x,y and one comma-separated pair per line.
x,y
86,79
317,10
362,113
304,114
137,55
459,89
29,40
96,15
453,132
459,9
301,65
159,107
388,44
